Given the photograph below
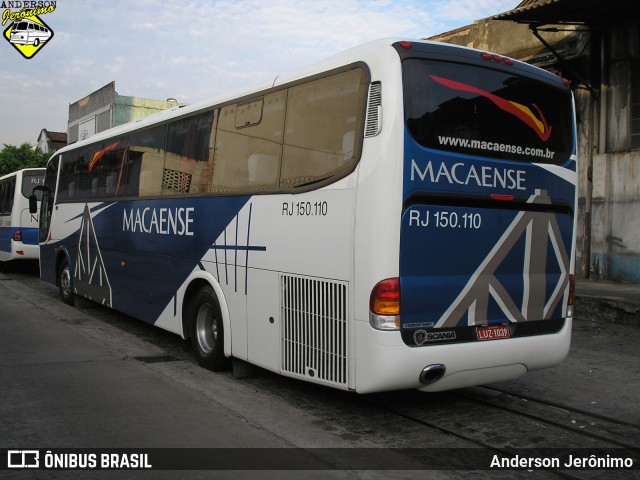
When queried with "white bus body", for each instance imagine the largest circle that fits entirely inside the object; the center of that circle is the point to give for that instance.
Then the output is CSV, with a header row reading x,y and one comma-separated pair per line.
x,y
19,227
274,240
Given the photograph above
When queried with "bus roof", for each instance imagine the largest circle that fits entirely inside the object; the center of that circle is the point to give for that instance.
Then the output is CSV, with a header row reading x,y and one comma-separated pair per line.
x,y
23,171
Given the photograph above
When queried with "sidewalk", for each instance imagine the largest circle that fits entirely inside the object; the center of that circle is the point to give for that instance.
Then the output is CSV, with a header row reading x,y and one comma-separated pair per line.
x,y
608,302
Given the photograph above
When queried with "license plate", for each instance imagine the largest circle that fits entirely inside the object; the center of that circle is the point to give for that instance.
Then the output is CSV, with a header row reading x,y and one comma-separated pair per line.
x,y
493,332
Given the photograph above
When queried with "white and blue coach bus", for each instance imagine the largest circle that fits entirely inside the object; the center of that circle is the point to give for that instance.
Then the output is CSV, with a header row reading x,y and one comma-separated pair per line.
x,y
18,226
399,216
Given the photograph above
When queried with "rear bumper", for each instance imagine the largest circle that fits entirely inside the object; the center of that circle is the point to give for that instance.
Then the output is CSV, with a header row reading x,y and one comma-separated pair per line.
x,y
19,250
386,363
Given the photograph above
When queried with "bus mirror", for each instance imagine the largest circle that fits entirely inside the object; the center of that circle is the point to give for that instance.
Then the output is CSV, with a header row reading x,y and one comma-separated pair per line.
x,y
33,204
35,196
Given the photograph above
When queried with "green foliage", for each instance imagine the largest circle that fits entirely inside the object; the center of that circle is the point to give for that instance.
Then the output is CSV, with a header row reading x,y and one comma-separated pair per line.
x,y
14,158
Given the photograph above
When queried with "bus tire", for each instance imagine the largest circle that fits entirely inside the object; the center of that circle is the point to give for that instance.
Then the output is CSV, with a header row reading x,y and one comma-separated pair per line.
x,y
207,335
64,283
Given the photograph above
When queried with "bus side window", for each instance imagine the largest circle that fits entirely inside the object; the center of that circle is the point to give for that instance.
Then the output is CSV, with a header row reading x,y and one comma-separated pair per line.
x,y
68,178
86,177
145,163
249,145
12,190
187,166
7,195
323,117
111,160
3,197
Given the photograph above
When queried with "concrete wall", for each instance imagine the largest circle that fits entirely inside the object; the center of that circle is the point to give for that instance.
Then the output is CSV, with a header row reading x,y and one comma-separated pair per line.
x,y
130,109
83,113
615,234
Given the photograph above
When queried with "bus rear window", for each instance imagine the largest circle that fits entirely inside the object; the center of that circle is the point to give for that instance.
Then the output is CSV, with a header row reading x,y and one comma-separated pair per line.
x,y
31,179
485,112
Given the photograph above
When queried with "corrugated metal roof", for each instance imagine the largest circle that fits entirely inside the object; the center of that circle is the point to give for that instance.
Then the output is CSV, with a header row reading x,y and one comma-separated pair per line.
x,y
590,12
528,3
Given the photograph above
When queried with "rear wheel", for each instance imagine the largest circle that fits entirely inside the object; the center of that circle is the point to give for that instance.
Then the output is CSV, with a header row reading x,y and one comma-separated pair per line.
x,y
64,283
207,335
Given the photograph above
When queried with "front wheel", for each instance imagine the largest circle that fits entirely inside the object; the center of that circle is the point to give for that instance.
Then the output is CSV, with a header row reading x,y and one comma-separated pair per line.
x,y
64,283
207,335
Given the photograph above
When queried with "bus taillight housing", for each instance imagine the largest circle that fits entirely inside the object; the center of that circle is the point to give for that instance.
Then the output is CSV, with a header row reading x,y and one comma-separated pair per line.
x,y
17,236
384,305
572,295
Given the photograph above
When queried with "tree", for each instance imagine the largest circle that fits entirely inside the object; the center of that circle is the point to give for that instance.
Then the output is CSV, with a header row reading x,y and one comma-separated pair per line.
x,y
14,158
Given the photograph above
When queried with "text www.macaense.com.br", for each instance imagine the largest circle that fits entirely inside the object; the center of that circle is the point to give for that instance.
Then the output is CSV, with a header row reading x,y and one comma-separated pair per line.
x,y
496,147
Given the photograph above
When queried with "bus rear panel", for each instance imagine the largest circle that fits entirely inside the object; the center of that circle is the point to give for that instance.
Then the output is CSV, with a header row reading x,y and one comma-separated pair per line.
x,y
486,229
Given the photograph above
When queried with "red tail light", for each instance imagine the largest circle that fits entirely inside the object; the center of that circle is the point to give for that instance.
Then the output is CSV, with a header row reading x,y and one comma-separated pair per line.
x,y
572,289
384,305
385,297
17,236
496,58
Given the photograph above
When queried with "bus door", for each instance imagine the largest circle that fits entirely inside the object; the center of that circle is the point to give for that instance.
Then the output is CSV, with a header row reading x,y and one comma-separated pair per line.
x,y
489,191
47,262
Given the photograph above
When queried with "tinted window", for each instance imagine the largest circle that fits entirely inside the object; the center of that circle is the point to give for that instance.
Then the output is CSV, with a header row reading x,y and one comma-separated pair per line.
x,y
106,166
293,137
145,163
485,112
187,161
29,180
75,178
324,119
249,145
7,190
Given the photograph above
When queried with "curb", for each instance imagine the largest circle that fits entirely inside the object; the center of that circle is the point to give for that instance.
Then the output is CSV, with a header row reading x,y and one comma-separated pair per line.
x,y
607,310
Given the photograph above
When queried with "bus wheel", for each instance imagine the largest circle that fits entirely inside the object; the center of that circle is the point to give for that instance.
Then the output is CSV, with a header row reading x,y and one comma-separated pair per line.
x,y
64,283
36,42
207,336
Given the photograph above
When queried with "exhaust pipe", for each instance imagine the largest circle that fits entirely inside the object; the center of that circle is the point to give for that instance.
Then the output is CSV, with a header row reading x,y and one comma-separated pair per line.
x,y
432,373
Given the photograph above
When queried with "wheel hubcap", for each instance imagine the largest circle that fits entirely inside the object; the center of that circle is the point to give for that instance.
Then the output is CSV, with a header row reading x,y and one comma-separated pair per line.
x,y
206,328
65,281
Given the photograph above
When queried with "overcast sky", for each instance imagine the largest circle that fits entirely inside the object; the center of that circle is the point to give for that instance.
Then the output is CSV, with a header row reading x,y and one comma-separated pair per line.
x,y
193,50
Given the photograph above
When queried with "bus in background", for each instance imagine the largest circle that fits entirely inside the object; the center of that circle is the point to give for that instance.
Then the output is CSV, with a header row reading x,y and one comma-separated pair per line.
x,y
399,216
19,227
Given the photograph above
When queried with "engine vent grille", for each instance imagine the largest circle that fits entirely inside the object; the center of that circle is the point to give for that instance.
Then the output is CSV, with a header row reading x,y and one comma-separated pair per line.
x,y
314,329
374,110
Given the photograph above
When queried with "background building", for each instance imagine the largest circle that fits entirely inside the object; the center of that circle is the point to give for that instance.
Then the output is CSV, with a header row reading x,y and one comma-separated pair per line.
x,y
596,45
49,142
105,109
